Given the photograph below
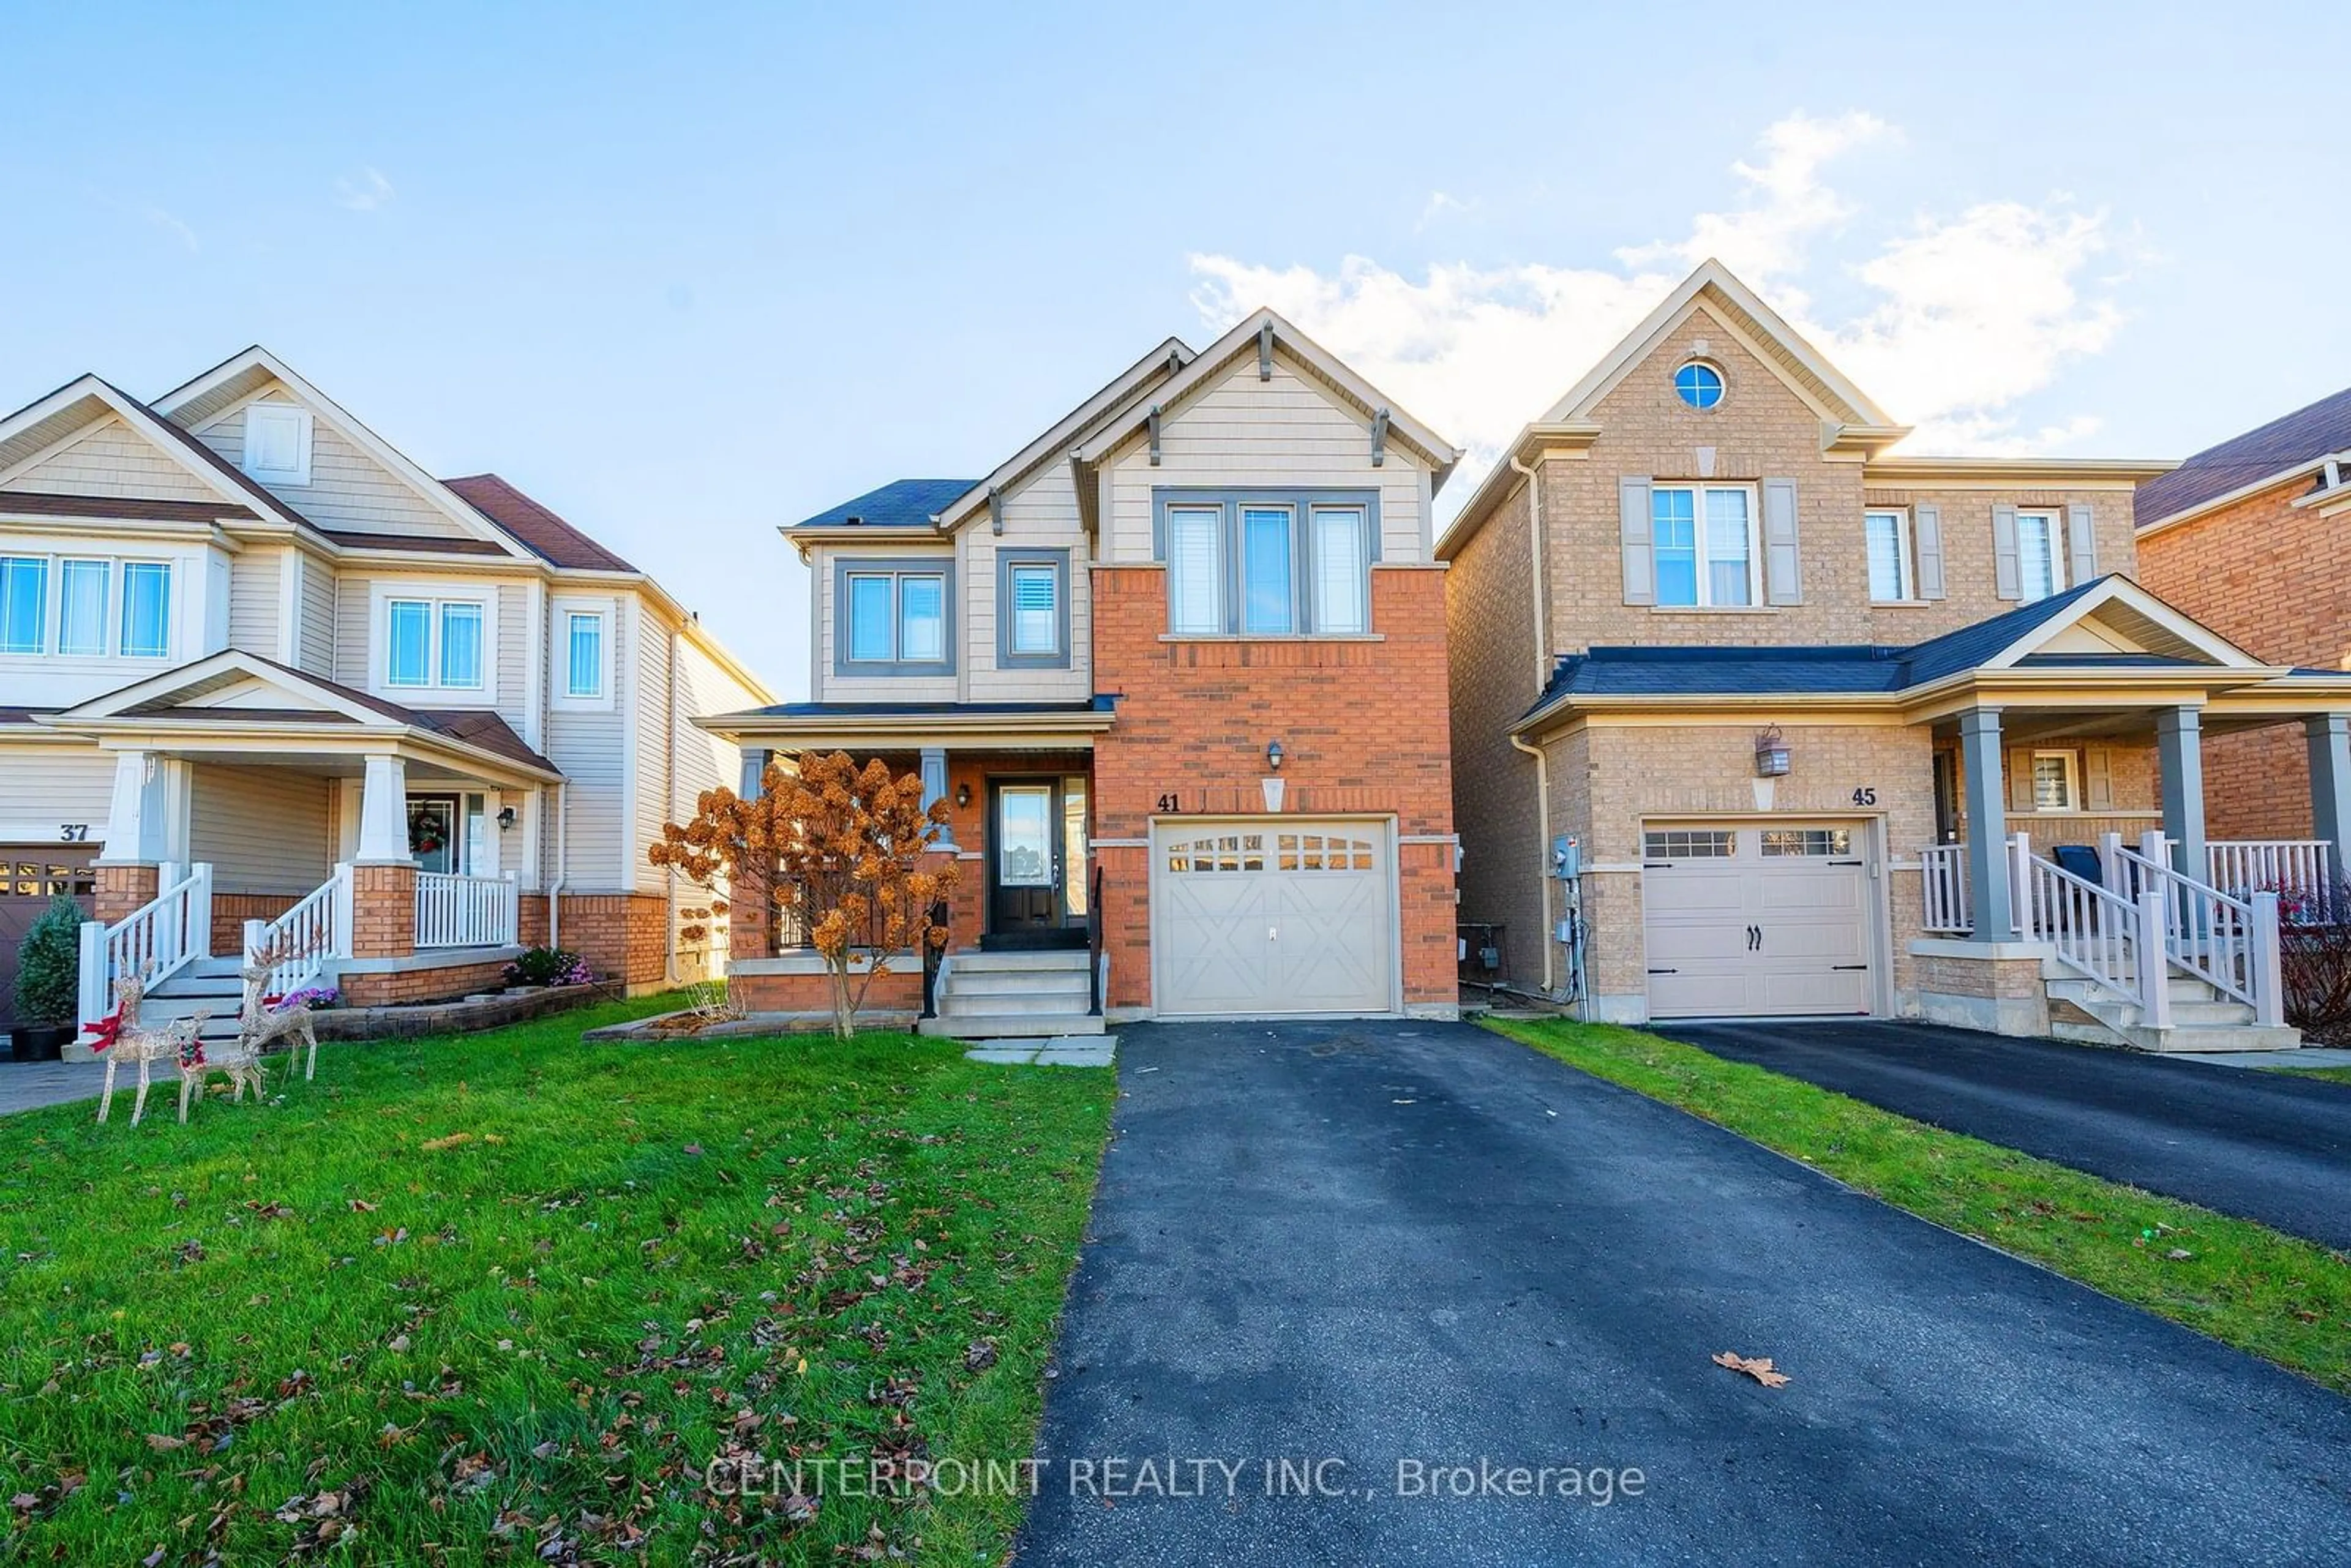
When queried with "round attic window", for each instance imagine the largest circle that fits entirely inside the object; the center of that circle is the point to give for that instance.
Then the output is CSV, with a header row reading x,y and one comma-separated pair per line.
x,y
1698,385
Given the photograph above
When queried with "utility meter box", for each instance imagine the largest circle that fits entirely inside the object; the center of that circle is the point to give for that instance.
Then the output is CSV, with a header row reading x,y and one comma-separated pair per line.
x,y
1566,857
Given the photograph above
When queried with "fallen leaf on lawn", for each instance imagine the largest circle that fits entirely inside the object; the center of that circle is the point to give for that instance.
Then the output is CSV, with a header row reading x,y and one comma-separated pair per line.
x,y
398,1344
434,1145
980,1355
163,1443
2177,1253
361,1205
1757,1367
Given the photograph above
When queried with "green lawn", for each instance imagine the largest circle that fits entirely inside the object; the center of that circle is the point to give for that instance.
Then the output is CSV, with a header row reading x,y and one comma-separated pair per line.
x,y
2249,1286
504,1297
2332,1074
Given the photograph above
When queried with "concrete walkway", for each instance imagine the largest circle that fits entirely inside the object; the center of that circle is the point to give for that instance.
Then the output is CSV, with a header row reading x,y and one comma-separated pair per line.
x,y
2262,1145
1061,1051
1346,1259
28,1085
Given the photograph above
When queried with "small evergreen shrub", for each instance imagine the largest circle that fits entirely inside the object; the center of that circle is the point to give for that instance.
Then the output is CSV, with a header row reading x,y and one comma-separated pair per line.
x,y
48,966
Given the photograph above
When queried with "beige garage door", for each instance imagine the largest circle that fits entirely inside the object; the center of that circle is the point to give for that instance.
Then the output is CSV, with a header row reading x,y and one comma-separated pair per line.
x,y
1254,919
1746,921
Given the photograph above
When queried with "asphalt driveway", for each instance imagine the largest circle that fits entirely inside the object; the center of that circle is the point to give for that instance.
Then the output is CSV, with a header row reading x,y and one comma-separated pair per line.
x,y
2262,1145
1359,1248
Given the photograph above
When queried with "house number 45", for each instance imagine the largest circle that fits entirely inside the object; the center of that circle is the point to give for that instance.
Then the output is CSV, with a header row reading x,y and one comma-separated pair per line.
x,y
1865,796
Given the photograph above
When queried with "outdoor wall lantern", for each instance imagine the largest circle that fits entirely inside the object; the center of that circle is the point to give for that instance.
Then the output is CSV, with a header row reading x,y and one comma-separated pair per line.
x,y
962,796
1273,756
1771,754
506,818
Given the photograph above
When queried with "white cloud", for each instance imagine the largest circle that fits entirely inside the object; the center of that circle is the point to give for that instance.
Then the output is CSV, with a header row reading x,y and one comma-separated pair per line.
x,y
1967,316
1439,204
362,193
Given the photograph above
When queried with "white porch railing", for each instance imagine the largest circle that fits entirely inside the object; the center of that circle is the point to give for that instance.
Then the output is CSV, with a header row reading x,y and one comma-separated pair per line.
x,y
298,942
154,941
2299,871
454,911
2230,943
2095,932
1945,871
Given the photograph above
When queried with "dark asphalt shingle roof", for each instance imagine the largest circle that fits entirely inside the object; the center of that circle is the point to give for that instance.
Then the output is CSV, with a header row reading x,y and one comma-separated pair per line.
x,y
1828,670
2284,443
899,504
533,527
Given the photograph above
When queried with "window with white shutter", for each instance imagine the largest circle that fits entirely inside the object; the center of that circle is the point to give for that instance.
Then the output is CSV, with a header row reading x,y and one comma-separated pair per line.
x,y
1196,600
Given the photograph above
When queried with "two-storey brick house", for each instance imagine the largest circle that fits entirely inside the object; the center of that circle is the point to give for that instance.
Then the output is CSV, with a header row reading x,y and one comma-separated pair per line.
x,y
258,666
2242,536
1179,665
1750,712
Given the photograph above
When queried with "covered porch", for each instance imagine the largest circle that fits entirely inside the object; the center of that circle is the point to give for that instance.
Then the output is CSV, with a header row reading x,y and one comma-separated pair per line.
x,y
1018,780
256,813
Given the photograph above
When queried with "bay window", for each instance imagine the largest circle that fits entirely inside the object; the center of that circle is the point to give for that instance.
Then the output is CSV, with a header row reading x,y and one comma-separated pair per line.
x,y
146,609
1277,563
24,603
78,620
81,606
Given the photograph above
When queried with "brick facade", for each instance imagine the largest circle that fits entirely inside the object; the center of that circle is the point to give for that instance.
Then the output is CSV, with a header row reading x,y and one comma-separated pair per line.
x,y
400,986
120,890
1362,726
232,910
2232,570
384,911
898,991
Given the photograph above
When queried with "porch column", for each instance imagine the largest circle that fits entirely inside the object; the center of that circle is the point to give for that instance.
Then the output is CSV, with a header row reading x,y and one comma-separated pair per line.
x,y
135,818
2179,748
2330,787
383,814
935,789
1980,755
383,874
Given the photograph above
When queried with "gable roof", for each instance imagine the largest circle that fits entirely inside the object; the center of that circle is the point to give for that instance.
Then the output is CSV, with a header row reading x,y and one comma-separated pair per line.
x,y
899,504
1320,364
1107,401
538,530
2291,444
240,375
1741,309
46,422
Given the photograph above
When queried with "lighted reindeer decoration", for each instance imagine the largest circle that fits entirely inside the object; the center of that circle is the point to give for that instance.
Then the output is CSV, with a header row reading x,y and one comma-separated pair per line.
x,y
258,1026
121,1037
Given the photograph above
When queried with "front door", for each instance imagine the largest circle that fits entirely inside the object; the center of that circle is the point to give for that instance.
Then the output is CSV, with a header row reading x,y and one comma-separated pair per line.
x,y
1025,858
433,831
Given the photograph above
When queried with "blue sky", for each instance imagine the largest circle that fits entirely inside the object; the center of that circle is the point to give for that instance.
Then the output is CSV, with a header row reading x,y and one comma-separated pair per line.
x,y
688,275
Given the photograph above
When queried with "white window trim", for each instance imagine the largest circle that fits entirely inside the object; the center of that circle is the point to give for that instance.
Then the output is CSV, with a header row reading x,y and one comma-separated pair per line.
x,y
1697,490
305,430
2072,781
2054,518
1905,546
119,606
109,607
112,646
436,594
559,614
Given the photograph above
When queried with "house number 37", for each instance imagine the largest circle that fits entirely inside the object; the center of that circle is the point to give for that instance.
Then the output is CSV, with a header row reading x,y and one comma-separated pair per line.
x,y
1865,796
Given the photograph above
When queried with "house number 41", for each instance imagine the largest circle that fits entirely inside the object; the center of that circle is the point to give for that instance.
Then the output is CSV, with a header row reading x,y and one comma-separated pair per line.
x,y
1865,796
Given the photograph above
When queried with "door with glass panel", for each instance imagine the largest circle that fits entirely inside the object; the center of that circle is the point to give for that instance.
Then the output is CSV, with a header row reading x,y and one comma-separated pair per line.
x,y
1036,861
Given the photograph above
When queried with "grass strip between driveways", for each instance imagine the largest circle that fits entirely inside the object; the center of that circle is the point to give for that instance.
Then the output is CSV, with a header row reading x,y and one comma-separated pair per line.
x,y
2283,1298
2332,1074
504,1297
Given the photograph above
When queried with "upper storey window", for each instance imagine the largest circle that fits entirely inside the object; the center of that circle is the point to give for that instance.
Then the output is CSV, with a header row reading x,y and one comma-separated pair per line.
x,y
1282,563
1893,569
433,643
61,606
2040,555
1704,536
1032,609
1698,385
895,617
278,442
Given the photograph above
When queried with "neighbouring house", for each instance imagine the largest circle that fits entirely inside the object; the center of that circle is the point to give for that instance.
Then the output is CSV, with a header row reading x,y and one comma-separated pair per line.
x,y
1754,716
256,666
2242,536
1179,666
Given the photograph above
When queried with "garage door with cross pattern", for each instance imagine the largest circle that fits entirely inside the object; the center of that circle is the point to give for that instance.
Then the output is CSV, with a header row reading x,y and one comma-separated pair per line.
x,y
1268,917
32,877
1745,921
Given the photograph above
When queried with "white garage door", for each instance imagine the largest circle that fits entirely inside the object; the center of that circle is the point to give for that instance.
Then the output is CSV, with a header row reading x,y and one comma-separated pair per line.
x,y
1756,920
1273,916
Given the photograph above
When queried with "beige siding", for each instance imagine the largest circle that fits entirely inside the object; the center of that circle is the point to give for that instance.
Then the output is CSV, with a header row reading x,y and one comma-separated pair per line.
x,y
591,746
829,687
348,489
1286,432
352,631
1043,514
514,655
114,460
43,788
650,697
315,648
263,829
254,609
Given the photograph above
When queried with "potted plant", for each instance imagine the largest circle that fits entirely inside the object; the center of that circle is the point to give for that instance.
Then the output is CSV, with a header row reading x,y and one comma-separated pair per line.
x,y
48,982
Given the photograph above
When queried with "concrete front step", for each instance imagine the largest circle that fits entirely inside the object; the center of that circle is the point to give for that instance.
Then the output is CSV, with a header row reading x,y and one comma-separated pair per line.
x,y
978,962
2176,1040
1010,1025
1017,982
